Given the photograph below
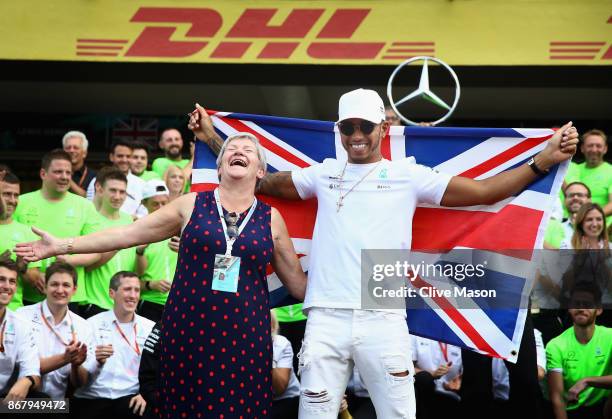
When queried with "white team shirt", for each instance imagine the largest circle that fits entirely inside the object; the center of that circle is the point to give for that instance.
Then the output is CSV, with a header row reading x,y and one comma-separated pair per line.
x,y
282,357
428,355
132,204
19,349
118,376
54,383
377,214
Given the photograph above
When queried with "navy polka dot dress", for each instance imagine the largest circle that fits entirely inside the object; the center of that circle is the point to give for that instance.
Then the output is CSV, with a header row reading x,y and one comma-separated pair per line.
x,y
216,348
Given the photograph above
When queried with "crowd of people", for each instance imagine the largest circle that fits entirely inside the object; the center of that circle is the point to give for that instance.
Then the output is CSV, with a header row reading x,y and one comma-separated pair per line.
x,y
123,293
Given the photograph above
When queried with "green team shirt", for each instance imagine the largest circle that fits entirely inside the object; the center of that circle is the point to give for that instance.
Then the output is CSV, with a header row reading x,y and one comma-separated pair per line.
x,y
97,280
288,314
598,179
564,354
160,165
161,264
68,217
149,175
554,234
10,235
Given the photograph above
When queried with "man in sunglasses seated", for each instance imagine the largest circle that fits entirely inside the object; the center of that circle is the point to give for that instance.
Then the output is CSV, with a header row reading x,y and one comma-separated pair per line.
x,y
368,202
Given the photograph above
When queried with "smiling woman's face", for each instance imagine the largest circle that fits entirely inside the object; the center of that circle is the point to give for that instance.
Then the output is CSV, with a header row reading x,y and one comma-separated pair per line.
x,y
593,224
240,160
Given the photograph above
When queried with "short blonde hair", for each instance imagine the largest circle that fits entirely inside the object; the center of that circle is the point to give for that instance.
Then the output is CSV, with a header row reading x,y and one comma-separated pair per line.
x,y
261,154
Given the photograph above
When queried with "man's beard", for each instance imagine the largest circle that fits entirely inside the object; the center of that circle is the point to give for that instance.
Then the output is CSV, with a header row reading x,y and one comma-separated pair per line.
x,y
173,153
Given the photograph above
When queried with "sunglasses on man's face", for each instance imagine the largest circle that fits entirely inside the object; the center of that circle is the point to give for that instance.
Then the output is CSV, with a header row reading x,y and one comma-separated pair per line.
x,y
346,128
231,219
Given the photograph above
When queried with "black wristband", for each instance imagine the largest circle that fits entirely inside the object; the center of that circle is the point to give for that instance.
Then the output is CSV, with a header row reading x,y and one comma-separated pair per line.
x,y
532,164
148,285
29,377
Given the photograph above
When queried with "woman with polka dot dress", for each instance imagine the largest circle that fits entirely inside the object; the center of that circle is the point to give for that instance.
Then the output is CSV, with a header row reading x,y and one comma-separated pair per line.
x,y
215,345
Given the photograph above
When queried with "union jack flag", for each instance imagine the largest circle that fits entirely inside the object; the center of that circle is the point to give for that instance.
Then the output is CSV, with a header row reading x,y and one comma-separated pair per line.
x,y
136,129
516,223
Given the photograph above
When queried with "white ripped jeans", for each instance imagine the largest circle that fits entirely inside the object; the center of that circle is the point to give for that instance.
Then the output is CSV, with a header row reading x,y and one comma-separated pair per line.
x,y
377,342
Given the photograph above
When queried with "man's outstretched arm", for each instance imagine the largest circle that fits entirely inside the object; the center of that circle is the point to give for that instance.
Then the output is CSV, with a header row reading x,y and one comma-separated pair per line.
x,y
278,185
465,192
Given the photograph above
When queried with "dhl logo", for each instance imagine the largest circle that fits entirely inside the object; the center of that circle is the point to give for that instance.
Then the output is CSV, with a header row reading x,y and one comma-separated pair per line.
x,y
332,41
574,50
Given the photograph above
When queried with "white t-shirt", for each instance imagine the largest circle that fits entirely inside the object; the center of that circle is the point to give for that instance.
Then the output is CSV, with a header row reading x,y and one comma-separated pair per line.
x,y
376,214
54,383
283,358
428,355
19,349
118,376
132,204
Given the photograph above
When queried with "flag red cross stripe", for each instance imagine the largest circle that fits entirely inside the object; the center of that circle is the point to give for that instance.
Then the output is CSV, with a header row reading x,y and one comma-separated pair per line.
x,y
458,318
266,143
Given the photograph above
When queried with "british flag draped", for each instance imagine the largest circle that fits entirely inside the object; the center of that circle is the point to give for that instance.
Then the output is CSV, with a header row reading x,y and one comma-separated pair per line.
x,y
516,223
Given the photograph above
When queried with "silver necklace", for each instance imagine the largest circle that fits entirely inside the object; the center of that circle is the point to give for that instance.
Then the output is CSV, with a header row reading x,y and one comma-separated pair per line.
x,y
341,197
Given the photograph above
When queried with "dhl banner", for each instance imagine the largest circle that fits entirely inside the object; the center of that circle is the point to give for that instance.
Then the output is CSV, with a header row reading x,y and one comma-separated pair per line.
x,y
461,32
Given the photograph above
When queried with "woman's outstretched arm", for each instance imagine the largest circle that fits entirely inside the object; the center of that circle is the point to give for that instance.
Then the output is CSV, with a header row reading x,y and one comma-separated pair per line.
x,y
160,225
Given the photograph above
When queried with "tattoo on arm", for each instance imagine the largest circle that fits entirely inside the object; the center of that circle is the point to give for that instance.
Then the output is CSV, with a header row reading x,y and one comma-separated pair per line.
x,y
275,184
215,143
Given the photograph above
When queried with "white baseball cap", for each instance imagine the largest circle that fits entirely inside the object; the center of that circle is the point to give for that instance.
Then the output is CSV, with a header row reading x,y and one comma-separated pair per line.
x,y
362,104
154,187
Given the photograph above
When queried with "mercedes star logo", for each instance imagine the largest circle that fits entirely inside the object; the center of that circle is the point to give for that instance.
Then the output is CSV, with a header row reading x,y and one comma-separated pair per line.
x,y
424,90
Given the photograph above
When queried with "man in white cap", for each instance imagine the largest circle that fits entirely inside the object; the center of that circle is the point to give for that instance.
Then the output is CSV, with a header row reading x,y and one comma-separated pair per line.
x,y
368,202
156,262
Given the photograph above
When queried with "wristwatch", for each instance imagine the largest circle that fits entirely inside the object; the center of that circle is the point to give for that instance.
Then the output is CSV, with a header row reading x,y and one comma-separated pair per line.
x,y
531,163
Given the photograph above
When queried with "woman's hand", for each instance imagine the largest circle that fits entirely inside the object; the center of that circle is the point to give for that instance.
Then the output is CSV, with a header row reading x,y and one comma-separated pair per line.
x,y
44,248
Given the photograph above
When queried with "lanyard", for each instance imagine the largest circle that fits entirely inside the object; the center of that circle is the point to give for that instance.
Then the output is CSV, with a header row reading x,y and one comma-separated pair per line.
x,y
136,347
83,176
230,242
444,349
72,331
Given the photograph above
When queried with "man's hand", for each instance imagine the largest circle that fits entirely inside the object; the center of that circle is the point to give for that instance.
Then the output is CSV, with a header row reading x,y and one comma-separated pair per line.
x,y
36,281
19,391
561,146
6,255
440,371
80,356
173,244
162,285
71,352
575,390
103,352
200,123
142,248
46,247
138,405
